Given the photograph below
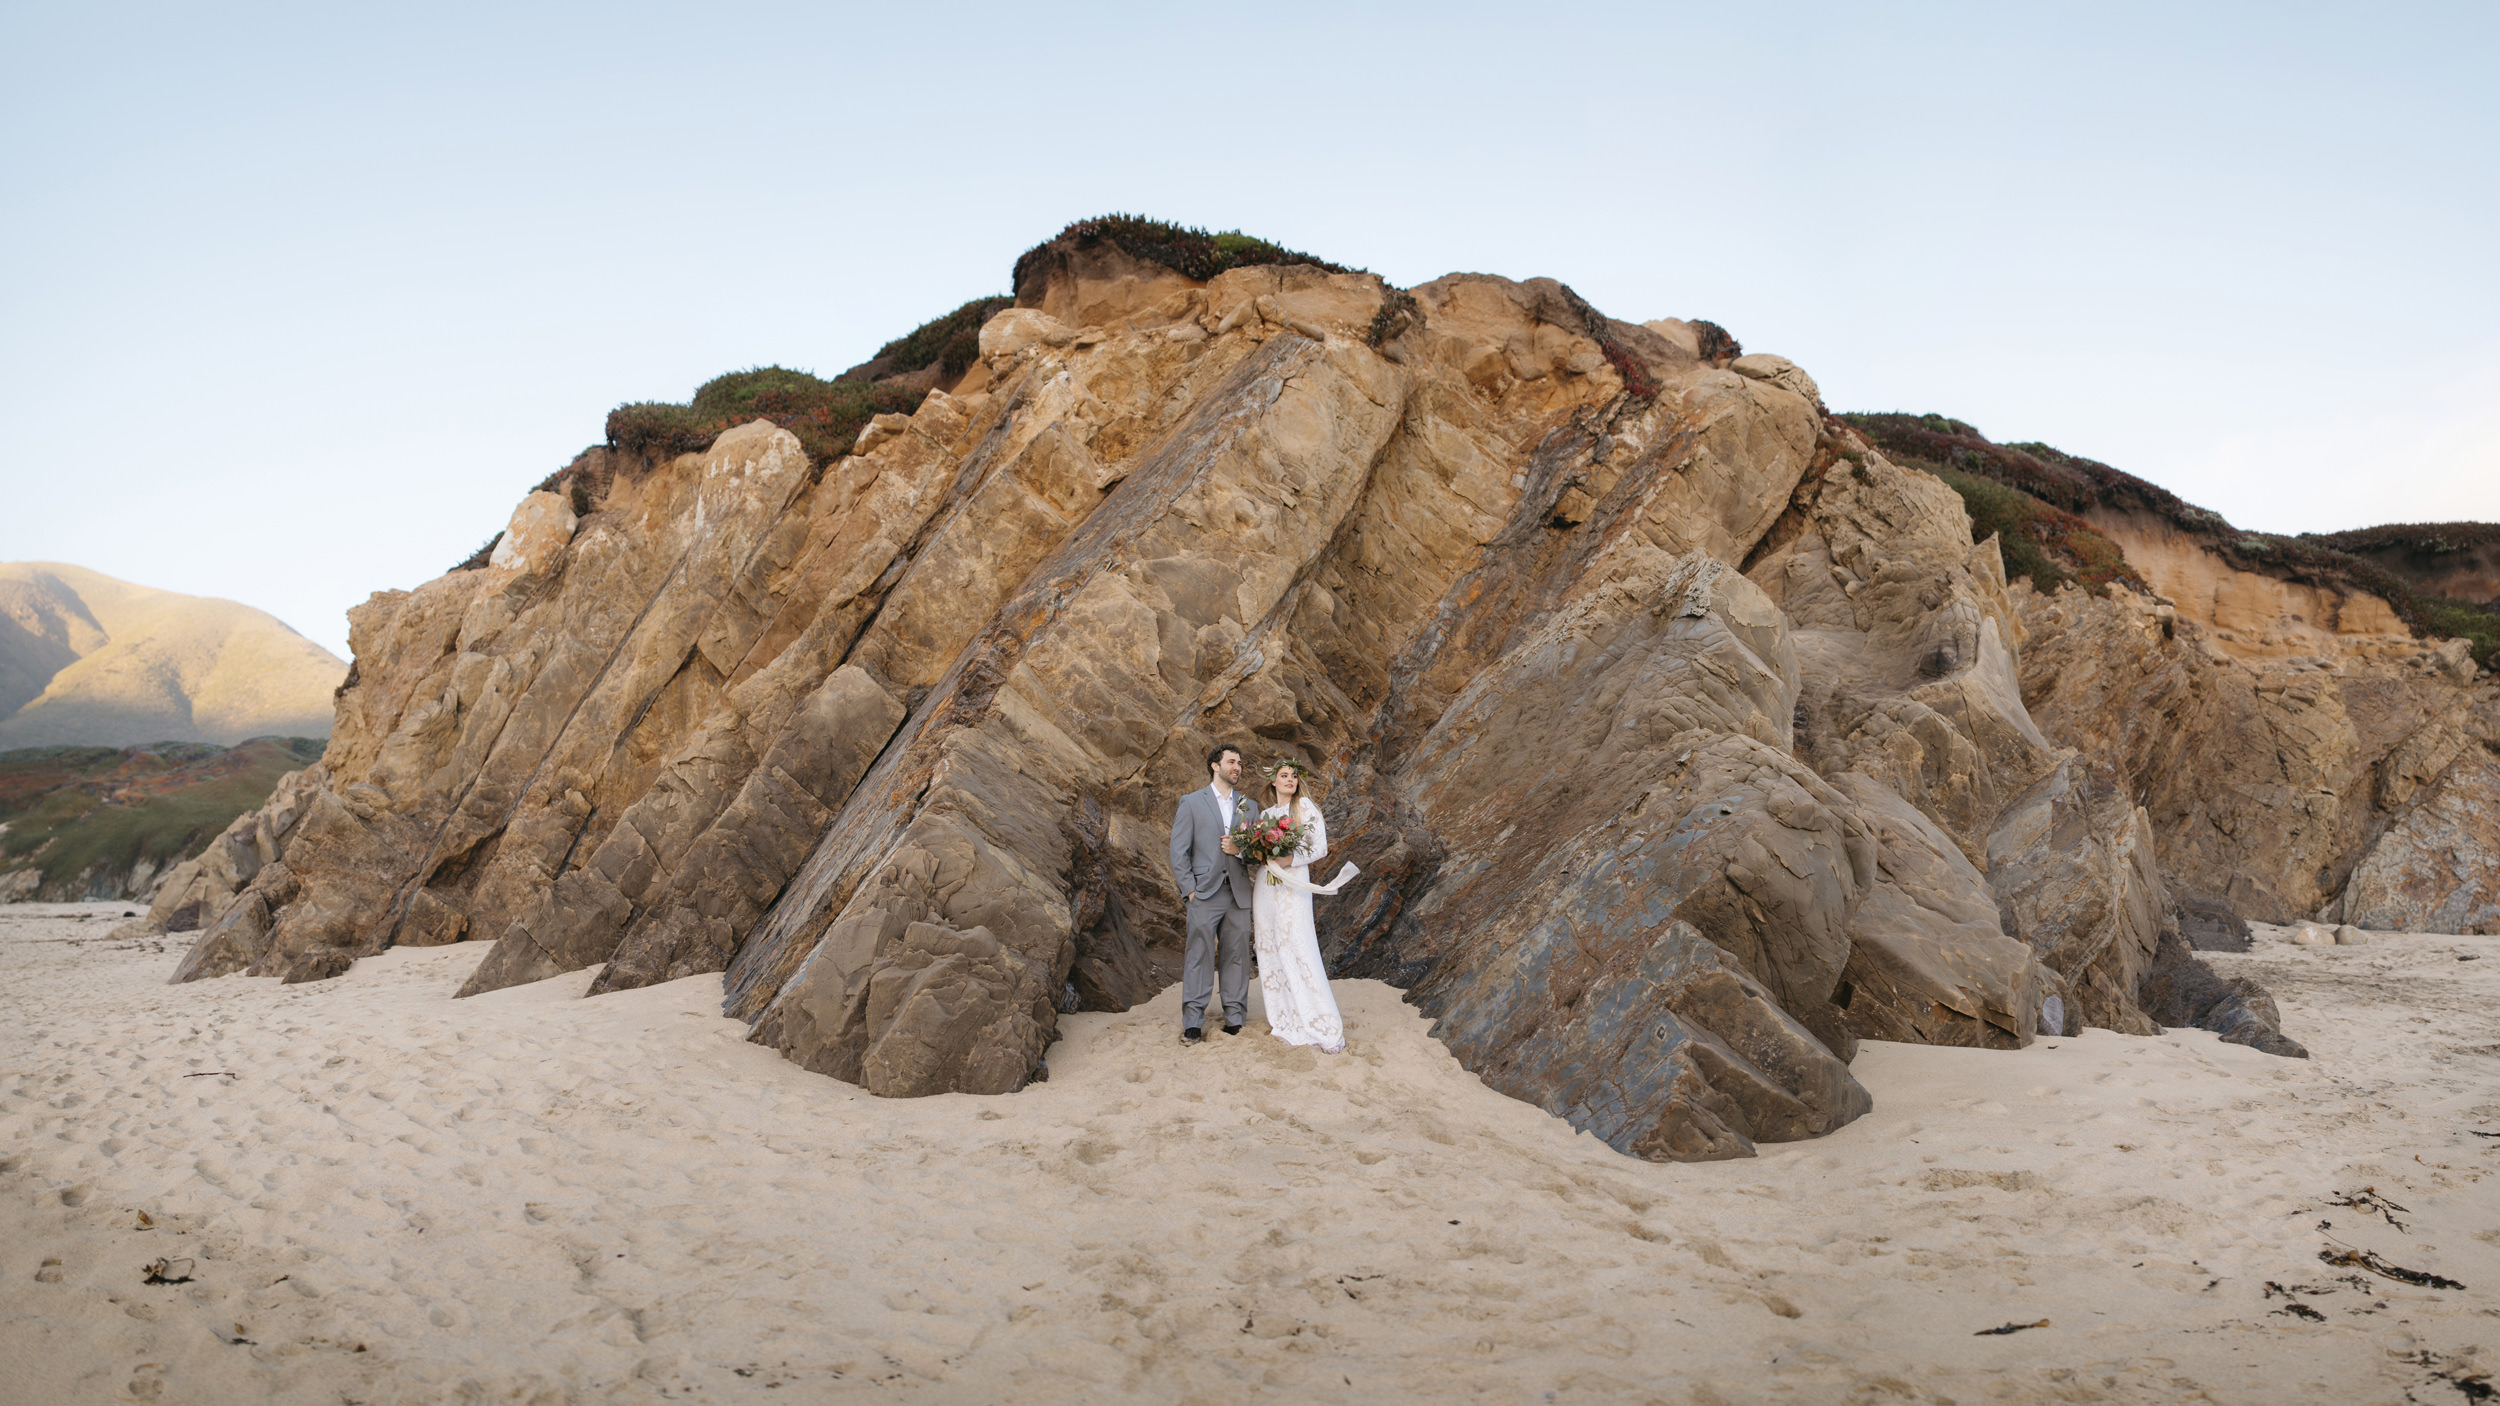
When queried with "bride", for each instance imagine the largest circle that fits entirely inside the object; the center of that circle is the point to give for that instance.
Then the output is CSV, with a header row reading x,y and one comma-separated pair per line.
x,y
1301,1010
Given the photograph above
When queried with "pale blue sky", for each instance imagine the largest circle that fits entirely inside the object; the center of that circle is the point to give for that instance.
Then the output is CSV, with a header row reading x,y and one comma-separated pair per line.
x,y
296,301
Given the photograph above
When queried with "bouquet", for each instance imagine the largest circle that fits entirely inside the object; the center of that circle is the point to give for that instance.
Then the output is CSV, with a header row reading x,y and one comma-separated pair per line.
x,y
1270,837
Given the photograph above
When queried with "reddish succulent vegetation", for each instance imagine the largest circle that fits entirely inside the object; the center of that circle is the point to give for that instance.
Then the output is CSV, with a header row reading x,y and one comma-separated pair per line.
x,y
1636,378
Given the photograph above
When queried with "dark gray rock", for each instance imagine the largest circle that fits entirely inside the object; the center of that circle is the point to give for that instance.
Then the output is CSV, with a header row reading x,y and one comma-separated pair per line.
x,y
2179,989
2208,924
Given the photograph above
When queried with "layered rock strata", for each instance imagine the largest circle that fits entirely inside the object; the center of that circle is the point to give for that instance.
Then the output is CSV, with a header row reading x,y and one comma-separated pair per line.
x,y
1677,734
2346,785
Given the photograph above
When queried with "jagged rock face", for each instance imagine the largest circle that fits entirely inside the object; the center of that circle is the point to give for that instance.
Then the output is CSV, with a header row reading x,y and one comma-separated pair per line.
x,y
2437,869
892,743
1930,961
197,893
2073,869
1909,705
2268,781
1636,884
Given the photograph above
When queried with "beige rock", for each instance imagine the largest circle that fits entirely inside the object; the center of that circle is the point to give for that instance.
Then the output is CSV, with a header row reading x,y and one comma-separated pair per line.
x,y
879,430
1929,962
1012,331
194,894
1781,372
540,529
2268,781
2437,869
892,742
1679,334
2248,616
2073,869
1906,639
1096,285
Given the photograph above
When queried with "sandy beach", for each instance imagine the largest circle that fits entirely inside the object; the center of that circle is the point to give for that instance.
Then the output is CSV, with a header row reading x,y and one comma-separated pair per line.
x,y
379,1194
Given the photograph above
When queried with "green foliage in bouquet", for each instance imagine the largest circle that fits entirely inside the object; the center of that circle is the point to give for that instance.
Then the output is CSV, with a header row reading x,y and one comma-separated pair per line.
x,y
1270,837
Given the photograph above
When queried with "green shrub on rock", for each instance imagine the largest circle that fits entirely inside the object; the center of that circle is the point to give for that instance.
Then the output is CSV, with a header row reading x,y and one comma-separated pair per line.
x,y
1191,253
827,416
950,343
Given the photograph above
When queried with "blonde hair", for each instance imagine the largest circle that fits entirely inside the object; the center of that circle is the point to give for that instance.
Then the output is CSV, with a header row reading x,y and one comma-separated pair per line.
x,y
1302,785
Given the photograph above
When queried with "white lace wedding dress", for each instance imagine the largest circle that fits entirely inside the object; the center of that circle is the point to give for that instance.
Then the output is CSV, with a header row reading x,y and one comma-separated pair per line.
x,y
1301,1010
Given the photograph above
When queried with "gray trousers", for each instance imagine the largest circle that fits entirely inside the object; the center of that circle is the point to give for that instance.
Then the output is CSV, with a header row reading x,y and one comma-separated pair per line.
x,y
1218,946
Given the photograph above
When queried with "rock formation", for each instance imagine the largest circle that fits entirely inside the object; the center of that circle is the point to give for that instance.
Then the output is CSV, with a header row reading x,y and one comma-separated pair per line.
x,y
2337,785
2306,738
1681,736
86,660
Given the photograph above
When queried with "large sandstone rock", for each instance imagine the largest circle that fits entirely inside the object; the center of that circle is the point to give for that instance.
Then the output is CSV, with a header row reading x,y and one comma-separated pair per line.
x,y
1910,706
2267,780
1930,962
1670,727
2437,869
196,893
2073,868
1636,884
1907,636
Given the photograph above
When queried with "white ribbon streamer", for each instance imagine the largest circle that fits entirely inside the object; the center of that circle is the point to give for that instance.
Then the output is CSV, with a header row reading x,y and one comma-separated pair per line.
x,y
1284,880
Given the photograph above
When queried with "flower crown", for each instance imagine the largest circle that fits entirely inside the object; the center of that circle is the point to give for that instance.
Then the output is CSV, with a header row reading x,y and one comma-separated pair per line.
x,y
1301,774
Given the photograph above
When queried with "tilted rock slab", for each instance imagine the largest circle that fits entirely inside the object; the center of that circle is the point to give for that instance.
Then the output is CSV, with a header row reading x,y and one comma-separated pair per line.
x,y
1670,740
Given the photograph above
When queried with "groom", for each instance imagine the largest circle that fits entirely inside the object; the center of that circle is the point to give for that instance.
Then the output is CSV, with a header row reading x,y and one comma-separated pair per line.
x,y
1209,867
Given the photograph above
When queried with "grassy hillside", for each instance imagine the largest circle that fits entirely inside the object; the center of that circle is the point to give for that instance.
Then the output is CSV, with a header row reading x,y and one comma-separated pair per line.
x,y
84,817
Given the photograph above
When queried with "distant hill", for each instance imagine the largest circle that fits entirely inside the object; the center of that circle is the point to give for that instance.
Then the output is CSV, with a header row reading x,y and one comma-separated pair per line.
x,y
88,660
104,822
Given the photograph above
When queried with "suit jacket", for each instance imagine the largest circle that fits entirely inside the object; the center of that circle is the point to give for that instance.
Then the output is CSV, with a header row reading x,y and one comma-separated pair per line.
x,y
1199,862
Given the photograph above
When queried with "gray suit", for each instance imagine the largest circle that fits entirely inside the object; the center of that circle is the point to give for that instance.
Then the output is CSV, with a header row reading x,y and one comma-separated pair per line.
x,y
1218,888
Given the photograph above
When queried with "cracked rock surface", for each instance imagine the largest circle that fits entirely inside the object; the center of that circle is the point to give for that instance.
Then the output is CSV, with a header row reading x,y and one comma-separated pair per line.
x,y
1682,739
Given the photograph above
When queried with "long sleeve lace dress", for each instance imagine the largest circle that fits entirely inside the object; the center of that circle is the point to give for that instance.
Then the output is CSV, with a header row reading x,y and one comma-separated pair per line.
x,y
1301,1010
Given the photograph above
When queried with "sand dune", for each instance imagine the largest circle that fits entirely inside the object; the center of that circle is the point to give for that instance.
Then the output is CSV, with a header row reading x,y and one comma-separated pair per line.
x,y
386,1195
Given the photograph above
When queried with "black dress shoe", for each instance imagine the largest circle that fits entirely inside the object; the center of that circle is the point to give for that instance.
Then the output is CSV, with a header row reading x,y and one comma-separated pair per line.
x,y
1192,1035
1232,1029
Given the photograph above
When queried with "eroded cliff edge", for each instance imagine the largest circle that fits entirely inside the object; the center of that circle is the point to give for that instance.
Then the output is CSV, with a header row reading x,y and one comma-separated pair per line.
x,y
1682,737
